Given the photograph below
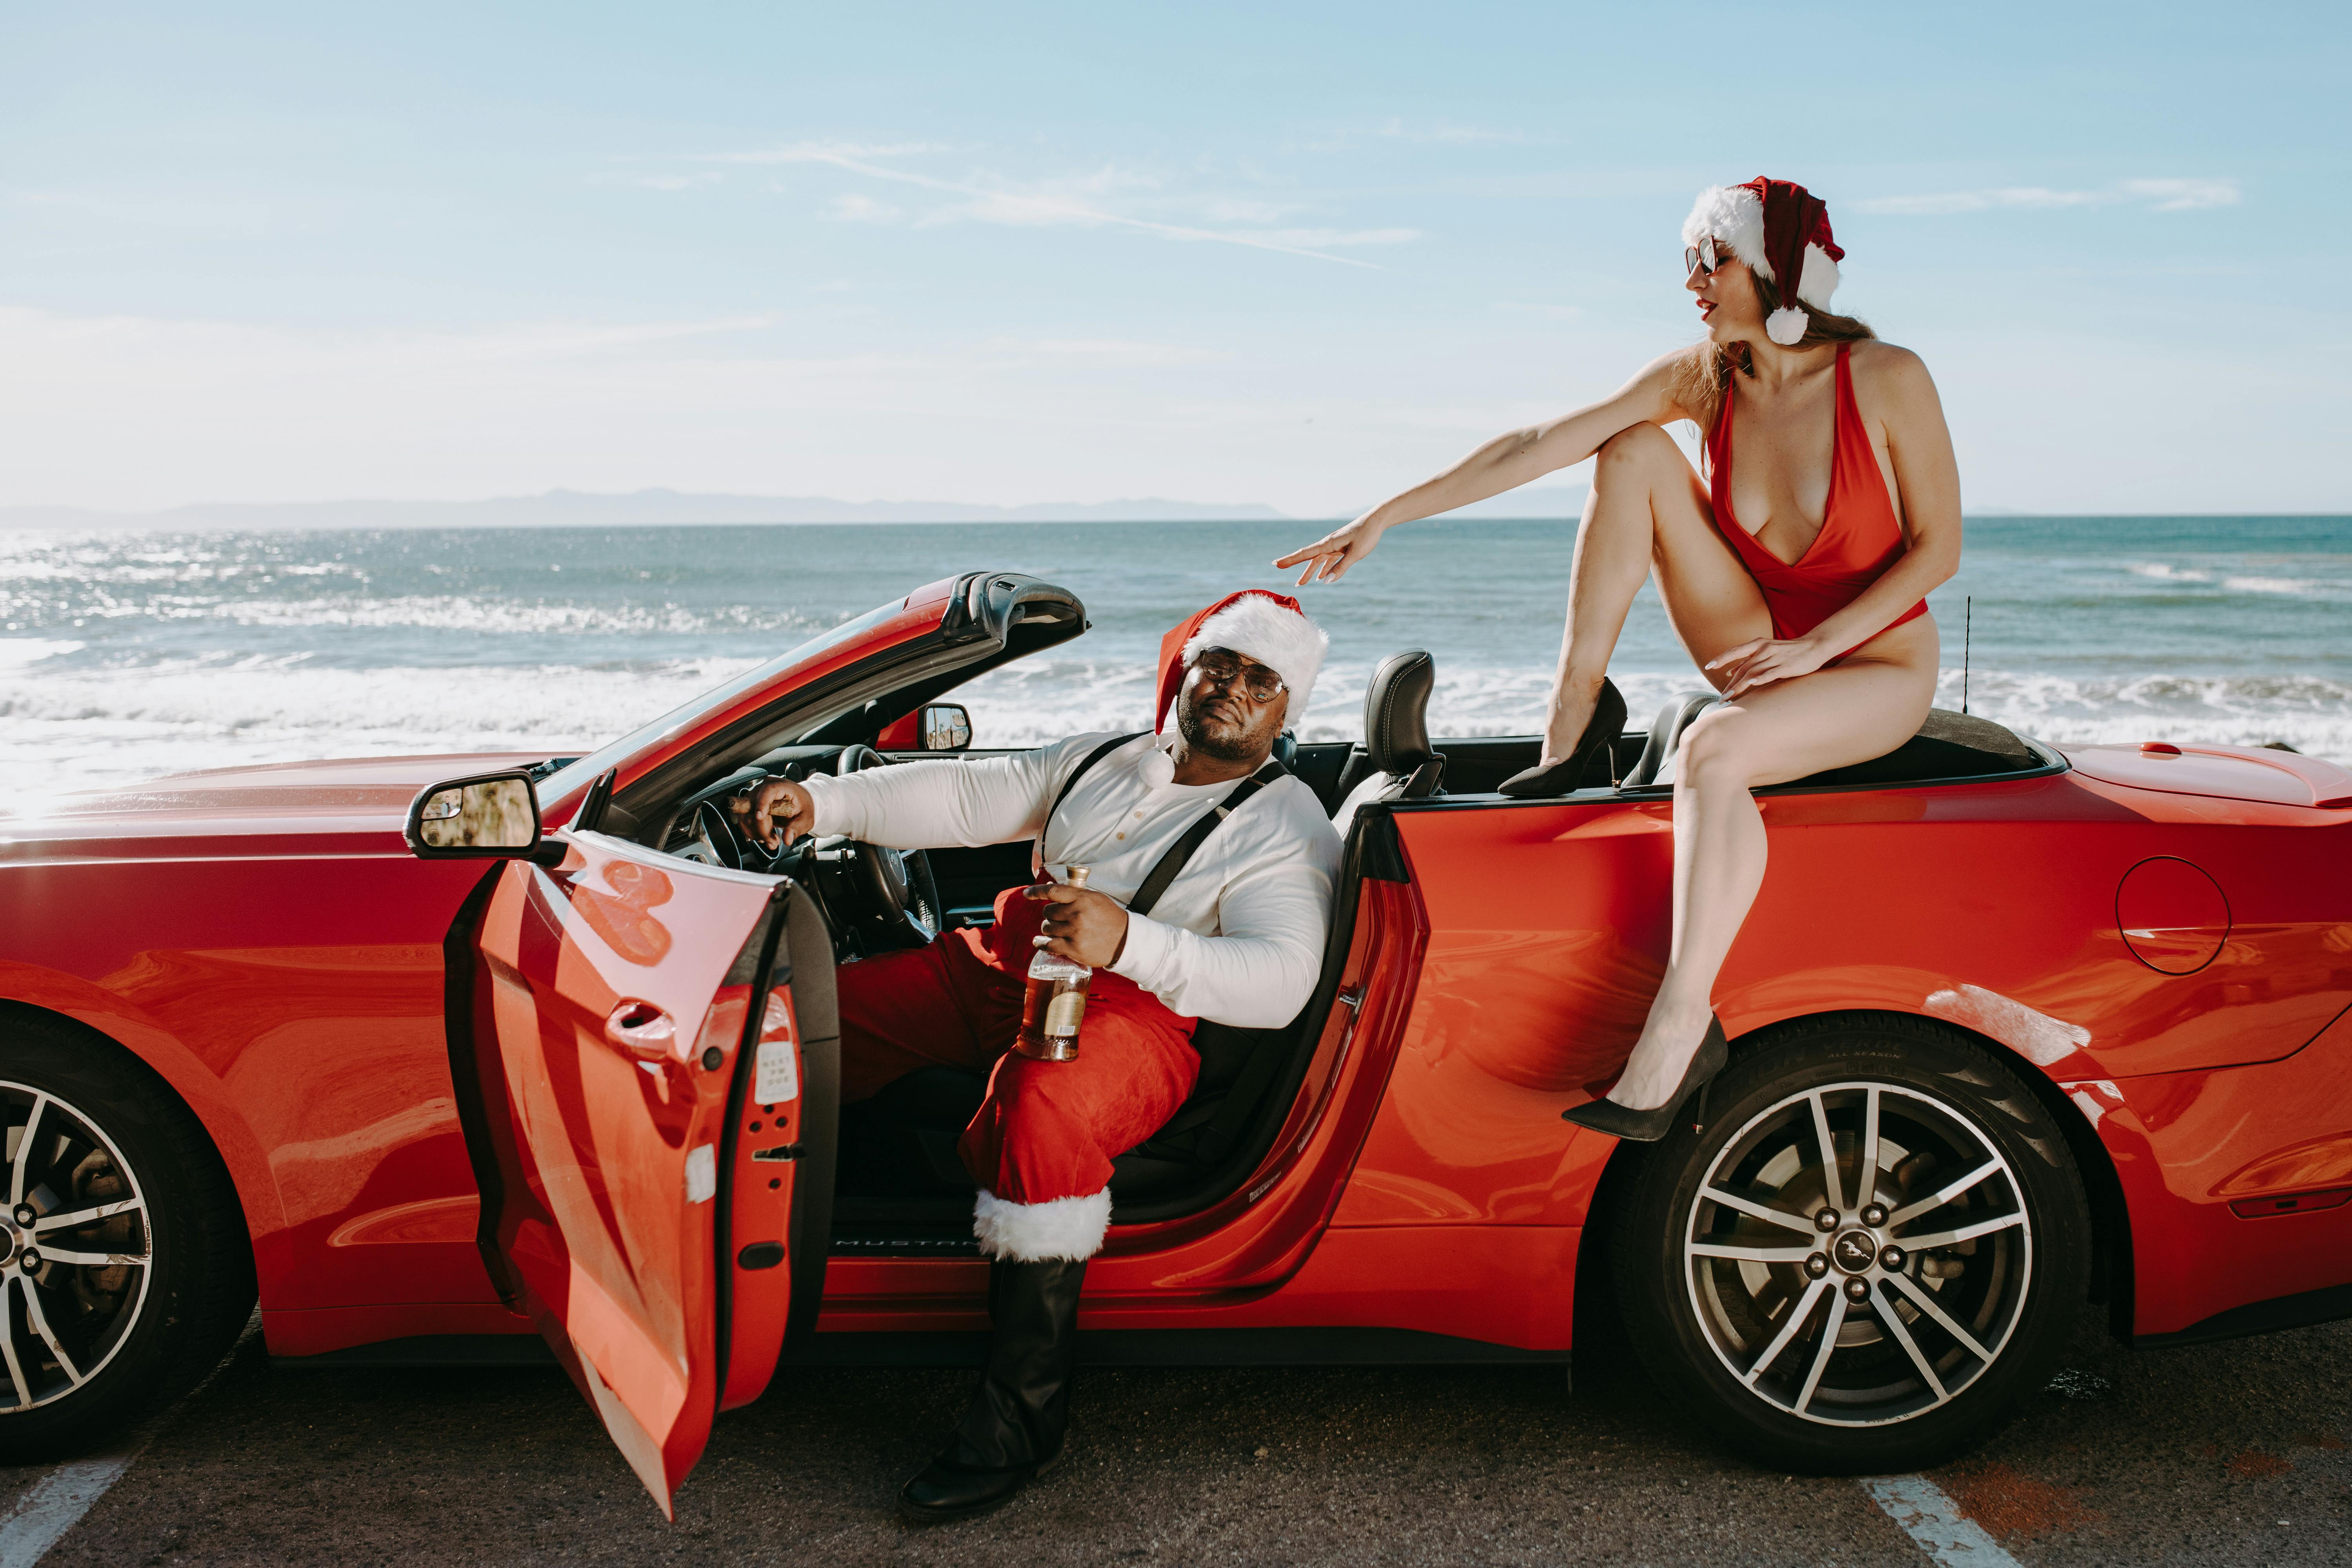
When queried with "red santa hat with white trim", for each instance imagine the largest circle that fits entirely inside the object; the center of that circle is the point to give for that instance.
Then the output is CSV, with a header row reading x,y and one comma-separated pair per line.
x,y
1782,231
1267,626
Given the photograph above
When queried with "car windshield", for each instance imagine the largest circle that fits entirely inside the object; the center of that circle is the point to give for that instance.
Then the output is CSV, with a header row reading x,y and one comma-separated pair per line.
x,y
577,772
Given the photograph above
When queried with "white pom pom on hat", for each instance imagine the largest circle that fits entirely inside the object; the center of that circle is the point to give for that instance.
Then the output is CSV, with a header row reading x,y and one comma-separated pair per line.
x,y
1779,228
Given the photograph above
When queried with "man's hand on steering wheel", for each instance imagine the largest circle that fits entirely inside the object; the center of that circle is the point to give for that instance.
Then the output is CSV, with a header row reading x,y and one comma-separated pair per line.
x,y
1080,924
773,812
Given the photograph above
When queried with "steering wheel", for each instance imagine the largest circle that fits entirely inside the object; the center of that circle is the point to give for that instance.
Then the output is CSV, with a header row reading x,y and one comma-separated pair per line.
x,y
887,896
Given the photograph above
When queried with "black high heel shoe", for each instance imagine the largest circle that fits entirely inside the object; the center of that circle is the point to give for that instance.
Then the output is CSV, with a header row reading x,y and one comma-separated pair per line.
x,y
1649,1126
1608,722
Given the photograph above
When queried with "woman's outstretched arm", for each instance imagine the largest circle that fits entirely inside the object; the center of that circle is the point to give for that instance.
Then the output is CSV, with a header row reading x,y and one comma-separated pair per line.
x,y
1507,462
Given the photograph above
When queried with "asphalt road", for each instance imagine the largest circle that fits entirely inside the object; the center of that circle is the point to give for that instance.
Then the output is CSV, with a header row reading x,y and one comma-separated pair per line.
x,y
2231,1453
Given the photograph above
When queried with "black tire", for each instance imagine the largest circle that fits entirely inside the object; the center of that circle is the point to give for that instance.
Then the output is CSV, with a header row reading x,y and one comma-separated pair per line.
x,y
177,1282
1899,1389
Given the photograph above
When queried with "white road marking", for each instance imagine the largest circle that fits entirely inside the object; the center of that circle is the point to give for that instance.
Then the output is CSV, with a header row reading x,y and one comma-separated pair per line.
x,y
1929,1517
54,1504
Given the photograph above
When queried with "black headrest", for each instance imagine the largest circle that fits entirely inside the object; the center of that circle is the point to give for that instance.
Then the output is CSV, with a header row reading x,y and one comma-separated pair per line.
x,y
1396,727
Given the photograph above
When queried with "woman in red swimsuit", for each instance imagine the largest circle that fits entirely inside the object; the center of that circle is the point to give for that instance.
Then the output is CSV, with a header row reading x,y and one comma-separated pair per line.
x,y
1795,573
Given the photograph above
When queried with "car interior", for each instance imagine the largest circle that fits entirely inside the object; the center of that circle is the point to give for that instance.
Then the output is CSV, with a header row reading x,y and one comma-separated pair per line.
x,y
900,1189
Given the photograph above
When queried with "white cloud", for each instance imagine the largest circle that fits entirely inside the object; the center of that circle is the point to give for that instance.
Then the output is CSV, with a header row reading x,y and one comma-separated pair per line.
x,y
856,208
2186,195
1339,238
1116,351
1068,204
2157,195
644,182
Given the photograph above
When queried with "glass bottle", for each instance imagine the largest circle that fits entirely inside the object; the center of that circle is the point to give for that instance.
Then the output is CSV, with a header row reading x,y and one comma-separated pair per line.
x,y
1055,1003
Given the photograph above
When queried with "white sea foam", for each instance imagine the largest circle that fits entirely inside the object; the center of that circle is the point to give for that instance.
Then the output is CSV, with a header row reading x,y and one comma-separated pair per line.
x,y
16,652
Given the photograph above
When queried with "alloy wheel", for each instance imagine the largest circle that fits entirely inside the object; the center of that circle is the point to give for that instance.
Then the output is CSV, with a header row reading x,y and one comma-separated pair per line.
x,y
1859,1253
76,1239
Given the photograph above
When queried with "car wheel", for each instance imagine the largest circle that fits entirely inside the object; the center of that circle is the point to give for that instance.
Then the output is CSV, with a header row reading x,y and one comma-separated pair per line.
x,y
127,1269
1878,1243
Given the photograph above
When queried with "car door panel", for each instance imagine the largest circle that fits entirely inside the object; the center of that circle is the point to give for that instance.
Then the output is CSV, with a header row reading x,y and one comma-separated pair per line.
x,y
622,986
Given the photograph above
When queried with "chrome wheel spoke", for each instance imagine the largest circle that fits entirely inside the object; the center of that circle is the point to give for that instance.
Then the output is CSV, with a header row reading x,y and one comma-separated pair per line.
x,y
24,1150
1755,1210
1822,1357
8,1339
1830,1185
1942,1194
40,1322
1965,1233
1926,1301
95,1260
1750,1254
1893,1319
1798,1313
48,1222
1865,1175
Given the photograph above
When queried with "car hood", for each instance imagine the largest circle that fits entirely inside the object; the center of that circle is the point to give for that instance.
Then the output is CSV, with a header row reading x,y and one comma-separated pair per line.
x,y
355,802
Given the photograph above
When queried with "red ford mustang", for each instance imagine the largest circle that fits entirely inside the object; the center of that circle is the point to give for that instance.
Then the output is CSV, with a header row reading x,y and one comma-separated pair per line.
x,y
2015,1027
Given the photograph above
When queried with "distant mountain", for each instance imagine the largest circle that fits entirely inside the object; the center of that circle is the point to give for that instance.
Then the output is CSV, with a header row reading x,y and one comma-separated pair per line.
x,y
638,508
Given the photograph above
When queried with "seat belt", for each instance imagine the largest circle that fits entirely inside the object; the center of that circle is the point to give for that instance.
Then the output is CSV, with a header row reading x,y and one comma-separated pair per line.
x,y
1243,1096
1172,863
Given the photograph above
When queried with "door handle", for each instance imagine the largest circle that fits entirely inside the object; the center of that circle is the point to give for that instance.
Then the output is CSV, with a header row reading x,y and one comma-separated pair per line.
x,y
640,1029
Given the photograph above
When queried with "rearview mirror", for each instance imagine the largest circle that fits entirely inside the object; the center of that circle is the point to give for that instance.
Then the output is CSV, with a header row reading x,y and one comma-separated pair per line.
x,y
488,817
947,727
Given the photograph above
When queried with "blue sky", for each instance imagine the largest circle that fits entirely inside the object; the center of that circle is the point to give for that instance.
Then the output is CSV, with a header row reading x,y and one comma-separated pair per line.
x,y
1300,255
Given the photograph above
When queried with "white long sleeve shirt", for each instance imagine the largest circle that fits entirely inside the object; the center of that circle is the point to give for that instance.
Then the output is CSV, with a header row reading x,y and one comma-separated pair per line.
x,y
1238,936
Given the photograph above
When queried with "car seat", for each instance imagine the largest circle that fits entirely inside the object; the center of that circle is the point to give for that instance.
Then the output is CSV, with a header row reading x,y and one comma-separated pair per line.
x,y
1396,737
1665,734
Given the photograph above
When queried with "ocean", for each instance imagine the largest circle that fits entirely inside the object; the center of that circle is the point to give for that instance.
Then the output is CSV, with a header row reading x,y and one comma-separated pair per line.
x,y
124,656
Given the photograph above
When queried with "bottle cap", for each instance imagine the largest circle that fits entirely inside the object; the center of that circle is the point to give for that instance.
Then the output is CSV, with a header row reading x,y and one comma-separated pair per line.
x,y
1077,875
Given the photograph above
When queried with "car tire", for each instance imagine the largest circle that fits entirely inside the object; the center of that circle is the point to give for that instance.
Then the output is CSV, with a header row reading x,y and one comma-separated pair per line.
x,y
1846,1348
105,1318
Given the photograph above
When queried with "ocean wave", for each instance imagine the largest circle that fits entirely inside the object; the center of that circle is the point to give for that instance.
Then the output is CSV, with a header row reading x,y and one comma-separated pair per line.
x,y
16,652
90,729
457,613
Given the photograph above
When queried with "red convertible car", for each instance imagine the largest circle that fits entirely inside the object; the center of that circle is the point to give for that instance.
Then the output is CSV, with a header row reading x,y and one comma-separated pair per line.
x,y
434,1052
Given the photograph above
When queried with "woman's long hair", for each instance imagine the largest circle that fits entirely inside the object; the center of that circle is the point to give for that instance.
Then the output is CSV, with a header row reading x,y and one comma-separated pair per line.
x,y
1702,379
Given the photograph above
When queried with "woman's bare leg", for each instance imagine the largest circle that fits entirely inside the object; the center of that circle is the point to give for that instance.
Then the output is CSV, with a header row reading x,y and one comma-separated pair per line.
x,y
1647,509
1862,708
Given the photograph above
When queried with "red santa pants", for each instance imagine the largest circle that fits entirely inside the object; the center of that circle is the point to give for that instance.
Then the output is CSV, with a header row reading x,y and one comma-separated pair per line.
x,y
1048,1130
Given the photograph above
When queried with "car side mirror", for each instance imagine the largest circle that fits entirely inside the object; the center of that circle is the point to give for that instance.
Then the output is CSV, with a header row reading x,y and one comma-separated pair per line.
x,y
946,727
488,816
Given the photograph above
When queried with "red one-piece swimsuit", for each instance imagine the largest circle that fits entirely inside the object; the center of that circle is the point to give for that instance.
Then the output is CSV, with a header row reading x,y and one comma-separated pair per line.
x,y
1861,536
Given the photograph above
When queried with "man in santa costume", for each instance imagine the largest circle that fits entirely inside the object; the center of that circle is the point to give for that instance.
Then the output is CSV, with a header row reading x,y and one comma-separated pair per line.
x,y
1235,936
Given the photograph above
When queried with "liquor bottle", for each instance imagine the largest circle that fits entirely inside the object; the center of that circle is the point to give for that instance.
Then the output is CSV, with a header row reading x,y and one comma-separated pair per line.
x,y
1055,1003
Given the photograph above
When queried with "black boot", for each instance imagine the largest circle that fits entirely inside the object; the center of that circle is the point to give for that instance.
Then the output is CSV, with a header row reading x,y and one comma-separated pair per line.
x,y
1012,1432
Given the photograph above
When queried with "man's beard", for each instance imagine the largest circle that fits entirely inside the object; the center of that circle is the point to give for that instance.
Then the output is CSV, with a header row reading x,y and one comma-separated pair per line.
x,y
1236,746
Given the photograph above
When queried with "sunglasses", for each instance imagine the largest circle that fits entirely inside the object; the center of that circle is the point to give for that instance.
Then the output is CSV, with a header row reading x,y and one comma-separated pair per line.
x,y
1224,668
1700,259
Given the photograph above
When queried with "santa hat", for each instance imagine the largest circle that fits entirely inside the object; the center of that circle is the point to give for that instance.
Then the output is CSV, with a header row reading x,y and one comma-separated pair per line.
x,y
1781,230
1267,626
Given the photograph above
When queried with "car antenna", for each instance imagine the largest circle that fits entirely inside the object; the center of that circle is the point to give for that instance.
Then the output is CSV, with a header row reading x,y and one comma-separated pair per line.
x,y
1968,620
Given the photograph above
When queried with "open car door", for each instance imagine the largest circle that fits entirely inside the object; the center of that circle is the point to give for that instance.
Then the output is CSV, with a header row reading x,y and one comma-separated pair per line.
x,y
658,1056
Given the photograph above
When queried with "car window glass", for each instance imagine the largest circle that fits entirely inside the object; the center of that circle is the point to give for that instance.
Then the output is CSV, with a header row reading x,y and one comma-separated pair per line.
x,y
574,773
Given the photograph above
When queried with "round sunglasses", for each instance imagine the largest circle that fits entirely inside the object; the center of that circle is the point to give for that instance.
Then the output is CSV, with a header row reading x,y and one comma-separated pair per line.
x,y
1224,668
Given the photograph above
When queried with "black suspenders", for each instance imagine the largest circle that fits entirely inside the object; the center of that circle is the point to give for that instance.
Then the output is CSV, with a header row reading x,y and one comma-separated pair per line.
x,y
1171,865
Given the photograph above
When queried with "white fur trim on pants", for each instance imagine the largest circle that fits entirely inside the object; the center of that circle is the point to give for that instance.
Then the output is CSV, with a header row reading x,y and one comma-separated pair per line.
x,y
1068,1228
